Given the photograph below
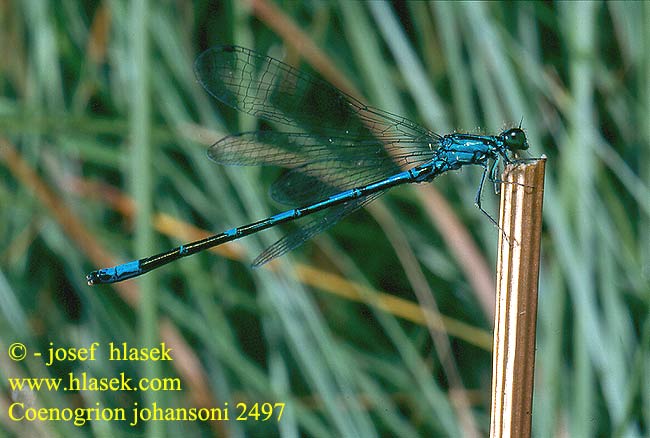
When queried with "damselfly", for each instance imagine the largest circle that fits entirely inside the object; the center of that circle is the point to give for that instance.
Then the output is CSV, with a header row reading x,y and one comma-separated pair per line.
x,y
341,155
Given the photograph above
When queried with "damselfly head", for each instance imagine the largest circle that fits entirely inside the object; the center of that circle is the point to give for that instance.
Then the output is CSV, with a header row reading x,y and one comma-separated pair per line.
x,y
515,139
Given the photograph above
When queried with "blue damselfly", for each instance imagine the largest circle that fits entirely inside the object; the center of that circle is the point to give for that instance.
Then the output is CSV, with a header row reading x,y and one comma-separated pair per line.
x,y
343,154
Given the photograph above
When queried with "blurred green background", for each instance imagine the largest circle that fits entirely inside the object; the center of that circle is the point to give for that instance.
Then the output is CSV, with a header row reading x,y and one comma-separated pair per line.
x,y
103,131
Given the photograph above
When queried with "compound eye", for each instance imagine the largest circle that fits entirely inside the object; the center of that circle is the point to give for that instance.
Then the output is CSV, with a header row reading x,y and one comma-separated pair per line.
x,y
515,139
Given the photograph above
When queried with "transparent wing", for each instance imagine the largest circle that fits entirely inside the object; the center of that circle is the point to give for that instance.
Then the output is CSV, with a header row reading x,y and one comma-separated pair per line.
x,y
319,166
314,225
274,91
316,181
288,149
350,145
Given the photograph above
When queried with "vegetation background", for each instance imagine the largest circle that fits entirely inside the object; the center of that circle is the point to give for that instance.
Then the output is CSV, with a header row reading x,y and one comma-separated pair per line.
x,y
103,131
